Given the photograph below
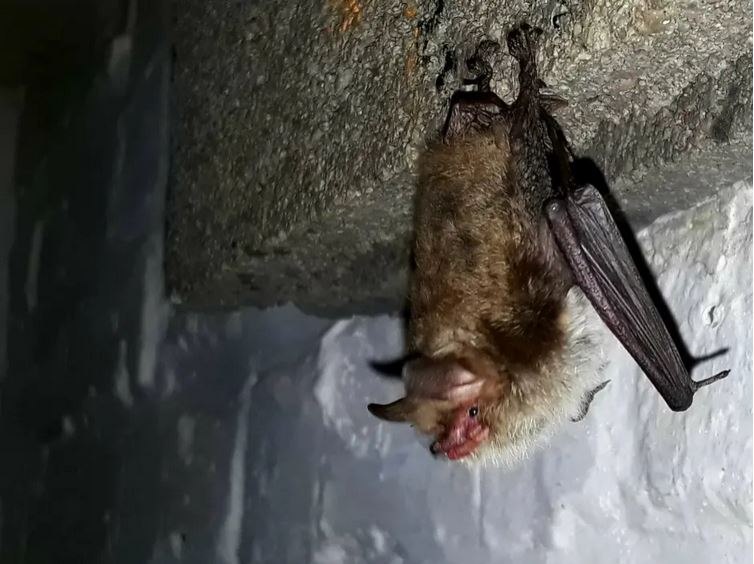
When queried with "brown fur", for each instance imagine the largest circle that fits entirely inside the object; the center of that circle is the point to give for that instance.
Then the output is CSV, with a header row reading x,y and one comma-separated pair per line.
x,y
481,281
490,296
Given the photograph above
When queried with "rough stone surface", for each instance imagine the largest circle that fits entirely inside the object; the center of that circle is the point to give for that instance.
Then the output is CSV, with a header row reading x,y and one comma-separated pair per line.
x,y
296,127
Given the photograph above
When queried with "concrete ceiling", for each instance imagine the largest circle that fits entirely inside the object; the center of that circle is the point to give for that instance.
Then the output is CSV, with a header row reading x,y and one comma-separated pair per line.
x,y
296,127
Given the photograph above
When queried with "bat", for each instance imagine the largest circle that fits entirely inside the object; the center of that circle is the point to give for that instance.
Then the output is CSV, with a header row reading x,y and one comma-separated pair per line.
x,y
512,258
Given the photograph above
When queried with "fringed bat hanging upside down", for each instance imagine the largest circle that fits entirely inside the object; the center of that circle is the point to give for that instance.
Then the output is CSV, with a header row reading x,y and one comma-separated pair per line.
x,y
509,252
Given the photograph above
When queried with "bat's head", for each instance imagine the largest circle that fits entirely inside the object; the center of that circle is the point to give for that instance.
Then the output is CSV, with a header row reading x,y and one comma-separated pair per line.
x,y
480,408
451,400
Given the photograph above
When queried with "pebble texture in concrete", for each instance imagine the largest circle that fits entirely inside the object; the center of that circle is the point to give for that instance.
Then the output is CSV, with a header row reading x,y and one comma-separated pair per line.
x,y
297,125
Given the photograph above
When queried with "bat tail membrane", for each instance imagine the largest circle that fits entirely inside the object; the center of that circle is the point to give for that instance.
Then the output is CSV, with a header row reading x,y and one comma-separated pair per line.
x,y
587,401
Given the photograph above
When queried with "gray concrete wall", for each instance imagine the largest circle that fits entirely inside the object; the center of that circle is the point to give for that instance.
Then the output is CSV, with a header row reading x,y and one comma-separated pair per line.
x,y
297,126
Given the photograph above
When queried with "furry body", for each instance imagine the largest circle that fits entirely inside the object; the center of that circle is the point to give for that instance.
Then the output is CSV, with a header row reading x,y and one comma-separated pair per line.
x,y
486,290
505,347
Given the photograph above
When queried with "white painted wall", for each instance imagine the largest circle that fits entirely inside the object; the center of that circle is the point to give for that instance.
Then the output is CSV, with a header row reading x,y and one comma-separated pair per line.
x,y
322,481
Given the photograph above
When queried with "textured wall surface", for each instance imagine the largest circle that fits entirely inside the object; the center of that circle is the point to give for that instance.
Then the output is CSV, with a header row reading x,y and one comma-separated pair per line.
x,y
297,124
271,455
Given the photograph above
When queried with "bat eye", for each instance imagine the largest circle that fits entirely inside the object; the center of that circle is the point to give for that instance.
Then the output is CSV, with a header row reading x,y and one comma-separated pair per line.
x,y
474,411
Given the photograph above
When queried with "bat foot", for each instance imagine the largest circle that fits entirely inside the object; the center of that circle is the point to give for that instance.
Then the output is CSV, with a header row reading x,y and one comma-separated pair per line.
x,y
587,401
522,42
522,45
711,380
479,64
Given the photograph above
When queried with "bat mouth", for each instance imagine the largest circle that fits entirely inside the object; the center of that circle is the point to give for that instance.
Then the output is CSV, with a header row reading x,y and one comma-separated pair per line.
x,y
455,446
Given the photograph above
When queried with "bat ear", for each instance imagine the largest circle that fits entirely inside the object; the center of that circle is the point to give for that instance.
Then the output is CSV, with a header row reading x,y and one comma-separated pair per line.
x,y
399,411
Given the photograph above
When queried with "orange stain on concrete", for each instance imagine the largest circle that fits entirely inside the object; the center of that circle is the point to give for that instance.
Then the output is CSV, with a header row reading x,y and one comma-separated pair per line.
x,y
349,12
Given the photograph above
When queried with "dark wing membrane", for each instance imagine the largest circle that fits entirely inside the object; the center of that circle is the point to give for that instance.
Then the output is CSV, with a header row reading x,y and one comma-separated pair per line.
x,y
602,266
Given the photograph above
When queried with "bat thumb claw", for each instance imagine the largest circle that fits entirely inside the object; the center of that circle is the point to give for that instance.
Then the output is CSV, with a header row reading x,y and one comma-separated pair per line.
x,y
711,380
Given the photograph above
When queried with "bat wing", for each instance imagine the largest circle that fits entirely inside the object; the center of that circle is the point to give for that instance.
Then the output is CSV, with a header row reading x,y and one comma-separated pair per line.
x,y
602,266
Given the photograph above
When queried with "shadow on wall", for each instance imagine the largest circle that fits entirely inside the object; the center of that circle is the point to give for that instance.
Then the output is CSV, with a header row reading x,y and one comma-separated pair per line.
x,y
89,187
